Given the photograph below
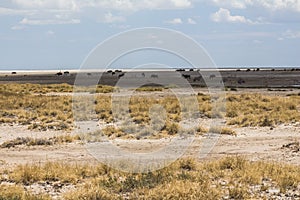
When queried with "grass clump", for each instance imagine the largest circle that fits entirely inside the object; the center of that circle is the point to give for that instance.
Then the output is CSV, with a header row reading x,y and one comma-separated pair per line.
x,y
228,177
105,89
39,141
29,105
112,132
89,191
222,130
149,89
12,192
261,110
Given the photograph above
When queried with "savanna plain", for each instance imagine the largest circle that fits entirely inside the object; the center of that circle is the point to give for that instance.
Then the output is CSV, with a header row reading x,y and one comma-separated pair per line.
x,y
43,156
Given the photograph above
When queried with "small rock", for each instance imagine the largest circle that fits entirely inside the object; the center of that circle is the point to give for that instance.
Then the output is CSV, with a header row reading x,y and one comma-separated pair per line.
x,y
273,191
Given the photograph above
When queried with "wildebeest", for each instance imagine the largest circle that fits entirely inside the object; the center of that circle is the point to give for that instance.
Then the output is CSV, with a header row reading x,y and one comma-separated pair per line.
x,y
212,76
66,73
241,81
121,75
154,76
198,78
187,76
59,73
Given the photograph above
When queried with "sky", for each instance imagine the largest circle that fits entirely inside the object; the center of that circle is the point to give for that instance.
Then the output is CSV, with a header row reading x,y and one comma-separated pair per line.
x,y
59,34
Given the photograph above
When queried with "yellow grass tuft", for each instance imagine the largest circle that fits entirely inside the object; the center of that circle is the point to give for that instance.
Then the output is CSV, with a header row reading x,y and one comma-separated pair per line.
x,y
230,177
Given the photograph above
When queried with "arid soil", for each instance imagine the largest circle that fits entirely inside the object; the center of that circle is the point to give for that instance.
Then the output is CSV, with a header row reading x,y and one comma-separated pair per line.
x,y
255,143
275,144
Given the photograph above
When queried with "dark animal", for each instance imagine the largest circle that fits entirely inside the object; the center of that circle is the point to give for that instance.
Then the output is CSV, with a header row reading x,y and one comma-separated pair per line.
x,y
121,75
14,73
212,76
59,73
241,81
154,76
199,78
186,76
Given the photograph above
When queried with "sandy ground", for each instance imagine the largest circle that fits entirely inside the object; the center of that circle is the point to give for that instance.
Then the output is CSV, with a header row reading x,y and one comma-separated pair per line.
x,y
255,143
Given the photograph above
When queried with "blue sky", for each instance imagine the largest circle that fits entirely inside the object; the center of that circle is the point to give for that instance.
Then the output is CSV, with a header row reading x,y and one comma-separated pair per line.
x,y
58,34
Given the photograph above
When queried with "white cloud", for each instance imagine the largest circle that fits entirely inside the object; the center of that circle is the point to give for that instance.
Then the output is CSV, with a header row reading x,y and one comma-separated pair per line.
x,y
240,4
17,27
273,5
135,5
48,4
181,3
224,15
120,26
42,12
175,21
26,21
8,11
50,33
109,18
257,41
191,21
128,5
280,4
289,34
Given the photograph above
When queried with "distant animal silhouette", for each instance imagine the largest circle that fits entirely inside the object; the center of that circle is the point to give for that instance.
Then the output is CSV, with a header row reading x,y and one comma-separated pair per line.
x,y
212,76
154,76
121,75
66,73
199,78
187,76
241,81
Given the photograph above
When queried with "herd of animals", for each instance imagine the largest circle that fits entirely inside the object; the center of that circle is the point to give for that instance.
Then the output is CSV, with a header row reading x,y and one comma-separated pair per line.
x,y
242,77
